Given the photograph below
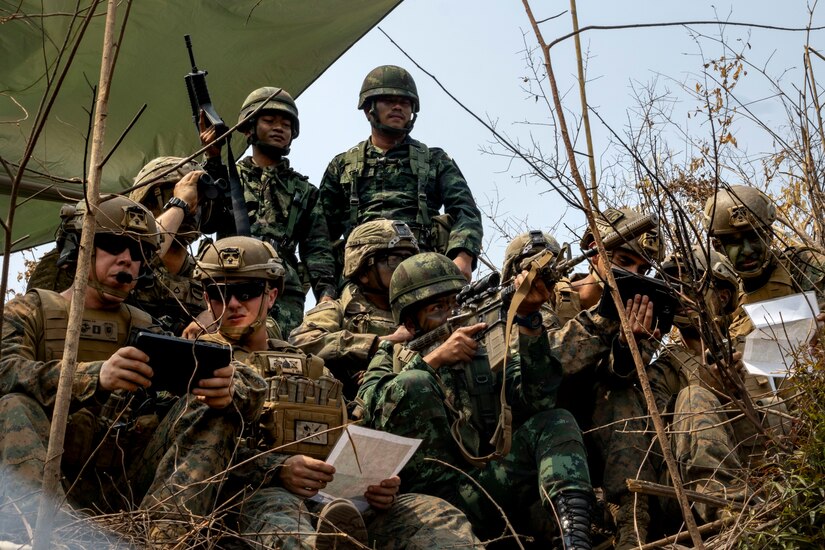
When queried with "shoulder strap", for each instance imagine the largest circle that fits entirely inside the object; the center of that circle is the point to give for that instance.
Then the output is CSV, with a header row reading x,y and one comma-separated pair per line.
x,y
300,198
354,162
420,165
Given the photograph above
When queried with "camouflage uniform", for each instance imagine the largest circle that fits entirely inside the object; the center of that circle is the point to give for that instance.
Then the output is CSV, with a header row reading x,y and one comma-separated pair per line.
x,y
274,196
169,466
273,517
702,440
409,183
402,394
344,333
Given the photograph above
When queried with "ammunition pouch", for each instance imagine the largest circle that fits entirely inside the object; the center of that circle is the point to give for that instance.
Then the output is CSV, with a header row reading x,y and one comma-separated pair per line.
x,y
483,396
440,232
304,408
303,276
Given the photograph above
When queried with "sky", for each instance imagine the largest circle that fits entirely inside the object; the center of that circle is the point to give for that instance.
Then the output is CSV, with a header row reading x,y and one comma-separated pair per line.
x,y
477,50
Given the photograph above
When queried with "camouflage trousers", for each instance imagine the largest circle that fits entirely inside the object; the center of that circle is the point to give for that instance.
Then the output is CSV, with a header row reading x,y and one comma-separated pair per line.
x,y
174,476
272,517
704,446
547,457
288,311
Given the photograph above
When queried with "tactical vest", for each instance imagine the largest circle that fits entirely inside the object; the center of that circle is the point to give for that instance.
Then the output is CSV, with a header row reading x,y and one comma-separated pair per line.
x,y
304,408
431,233
101,333
567,304
360,318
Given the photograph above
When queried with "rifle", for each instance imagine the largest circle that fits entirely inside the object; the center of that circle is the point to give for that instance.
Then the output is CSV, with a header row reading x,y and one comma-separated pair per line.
x,y
199,100
487,301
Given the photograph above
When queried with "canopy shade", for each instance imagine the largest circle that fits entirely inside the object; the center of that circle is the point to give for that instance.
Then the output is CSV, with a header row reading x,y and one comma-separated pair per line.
x,y
243,44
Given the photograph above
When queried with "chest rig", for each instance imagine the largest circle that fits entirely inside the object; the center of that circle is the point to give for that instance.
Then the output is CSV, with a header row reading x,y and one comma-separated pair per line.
x,y
304,405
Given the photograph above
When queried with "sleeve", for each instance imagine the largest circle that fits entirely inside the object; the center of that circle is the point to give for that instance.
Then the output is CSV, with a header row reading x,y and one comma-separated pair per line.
x,y
333,199
315,247
321,334
249,392
21,371
584,340
381,369
664,381
467,230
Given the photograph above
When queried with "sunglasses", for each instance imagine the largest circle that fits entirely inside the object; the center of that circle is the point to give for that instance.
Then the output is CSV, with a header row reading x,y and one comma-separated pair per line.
x,y
242,291
392,260
116,244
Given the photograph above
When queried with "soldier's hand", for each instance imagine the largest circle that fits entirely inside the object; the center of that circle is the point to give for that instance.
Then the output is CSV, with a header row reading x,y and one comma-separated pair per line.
x,y
639,313
217,392
465,263
126,369
538,295
304,476
208,134
713,378
186,189
383,496
460,347
400,335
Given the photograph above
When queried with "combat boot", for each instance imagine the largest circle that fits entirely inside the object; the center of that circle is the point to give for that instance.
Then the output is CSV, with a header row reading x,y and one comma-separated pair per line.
x,y
632,519
340,527
574,510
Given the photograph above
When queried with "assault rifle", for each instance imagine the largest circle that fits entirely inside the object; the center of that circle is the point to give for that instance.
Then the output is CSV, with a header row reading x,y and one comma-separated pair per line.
x,y
487,301
200,101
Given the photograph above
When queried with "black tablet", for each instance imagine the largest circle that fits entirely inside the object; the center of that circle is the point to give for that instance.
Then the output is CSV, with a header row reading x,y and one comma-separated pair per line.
x,y
179,364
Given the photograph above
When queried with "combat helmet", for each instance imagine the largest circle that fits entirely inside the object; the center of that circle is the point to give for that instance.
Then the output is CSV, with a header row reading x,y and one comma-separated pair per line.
x,y
114,215
422,278
523,246
388,80
739,208
693,274
240,258
281,102
373,237
648,245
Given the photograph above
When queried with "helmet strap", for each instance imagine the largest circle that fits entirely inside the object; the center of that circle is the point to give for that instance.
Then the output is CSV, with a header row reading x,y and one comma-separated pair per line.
x,y
372,115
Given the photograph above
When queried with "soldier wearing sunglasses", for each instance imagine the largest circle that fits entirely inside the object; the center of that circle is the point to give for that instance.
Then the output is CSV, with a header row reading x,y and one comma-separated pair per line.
x,y
126,446
243,277
346,332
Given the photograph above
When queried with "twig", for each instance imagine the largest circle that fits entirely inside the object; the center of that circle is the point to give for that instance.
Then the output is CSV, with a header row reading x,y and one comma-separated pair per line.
x,y
703,529
656,489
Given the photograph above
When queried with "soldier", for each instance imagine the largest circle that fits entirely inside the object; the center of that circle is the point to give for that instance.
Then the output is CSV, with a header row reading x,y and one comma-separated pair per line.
x,y
243,277
689,391
738,221
603,395
169,296
392,176
521,249
282,204
447,395
119,445
346,333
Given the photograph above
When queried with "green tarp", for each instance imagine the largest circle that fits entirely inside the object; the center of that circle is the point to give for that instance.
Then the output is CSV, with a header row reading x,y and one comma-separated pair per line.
x,y
243,44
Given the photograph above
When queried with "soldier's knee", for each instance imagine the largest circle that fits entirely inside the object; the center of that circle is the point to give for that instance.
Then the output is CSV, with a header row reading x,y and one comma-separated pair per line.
x,y
14,404
695,399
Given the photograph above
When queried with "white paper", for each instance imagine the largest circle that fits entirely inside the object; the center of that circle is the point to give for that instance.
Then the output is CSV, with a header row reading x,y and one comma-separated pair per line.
x,y
364,457
781,326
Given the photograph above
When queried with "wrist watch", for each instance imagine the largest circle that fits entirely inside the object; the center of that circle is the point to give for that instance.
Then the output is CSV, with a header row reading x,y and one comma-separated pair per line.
x,y
531,321
175,202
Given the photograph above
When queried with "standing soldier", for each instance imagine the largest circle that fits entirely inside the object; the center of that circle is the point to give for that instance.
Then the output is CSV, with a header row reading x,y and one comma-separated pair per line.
x,y
280,471
392,176
283,205
603,396
119,445
346,333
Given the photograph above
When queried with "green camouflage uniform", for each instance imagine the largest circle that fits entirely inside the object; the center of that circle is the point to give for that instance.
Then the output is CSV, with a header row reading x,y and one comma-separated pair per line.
x,y
702,439
344,333
272,517
284,210
547,456
173,300
168,467
387,187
